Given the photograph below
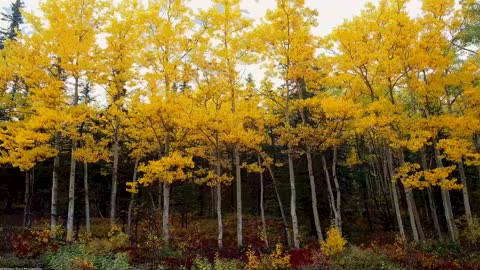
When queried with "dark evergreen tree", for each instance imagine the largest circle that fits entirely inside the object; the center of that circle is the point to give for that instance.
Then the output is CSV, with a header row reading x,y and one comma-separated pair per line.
x,y
14,20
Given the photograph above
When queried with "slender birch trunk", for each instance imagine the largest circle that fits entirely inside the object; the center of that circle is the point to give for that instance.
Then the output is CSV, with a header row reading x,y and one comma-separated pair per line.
x,y
395,195
132,197
433,209
331,197
280,206
413,225
53,205
262,207
338,217
219,195
27,211
238,182
293,200
71,193
452,228
87,198
166,210
71,184
113,195
219,215
166,198
466,202
431,199
311,176
313,191
410,203
418,221
447,205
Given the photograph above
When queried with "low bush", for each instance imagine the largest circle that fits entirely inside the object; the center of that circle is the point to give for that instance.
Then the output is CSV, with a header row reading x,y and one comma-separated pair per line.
x,y
334,244
469,233
359,259
31,243
12,261
442,248
278,259
75,256
217,264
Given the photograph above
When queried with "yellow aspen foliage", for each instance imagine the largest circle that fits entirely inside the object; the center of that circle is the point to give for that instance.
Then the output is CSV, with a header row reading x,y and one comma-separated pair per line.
x,y
252,260
353,158
456,149
92,150
414,133
211,179
23,147
379,117
278,259
413,178
174,167
334,243
438,177
332,119
252,167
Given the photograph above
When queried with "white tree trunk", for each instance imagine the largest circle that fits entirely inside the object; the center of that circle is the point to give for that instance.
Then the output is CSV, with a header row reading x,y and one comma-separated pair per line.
x,y
219,198
313,195
87,198
293,199
280,206
71,193
238,178
166,198
166,210
113,197
219,215
73,166
447,205
431,199
395,195
27,211
466,201
53,205
132,197
338,200
262,207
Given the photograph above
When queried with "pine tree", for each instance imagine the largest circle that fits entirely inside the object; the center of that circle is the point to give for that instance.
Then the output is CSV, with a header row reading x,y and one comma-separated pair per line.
x,y
14,20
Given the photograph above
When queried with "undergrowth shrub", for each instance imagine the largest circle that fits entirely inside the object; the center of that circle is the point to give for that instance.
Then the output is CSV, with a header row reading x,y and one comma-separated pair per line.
x,y
31,243
75,257
334,244
118,238
442,248
356,258
218,264
469,235
12,261
278,259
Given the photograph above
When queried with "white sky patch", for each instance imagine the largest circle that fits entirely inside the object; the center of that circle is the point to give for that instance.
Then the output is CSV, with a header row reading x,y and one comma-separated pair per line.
x,y
331,13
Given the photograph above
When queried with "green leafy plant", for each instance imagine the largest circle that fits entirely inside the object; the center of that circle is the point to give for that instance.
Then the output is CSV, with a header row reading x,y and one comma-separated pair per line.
x,y
76,257
358,258
218,264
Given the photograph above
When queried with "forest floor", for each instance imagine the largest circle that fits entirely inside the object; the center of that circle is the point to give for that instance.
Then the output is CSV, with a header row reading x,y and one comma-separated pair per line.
x,y
195,247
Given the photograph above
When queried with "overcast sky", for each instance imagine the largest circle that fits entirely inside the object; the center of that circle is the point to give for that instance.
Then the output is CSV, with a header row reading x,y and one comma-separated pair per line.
x,y
331,12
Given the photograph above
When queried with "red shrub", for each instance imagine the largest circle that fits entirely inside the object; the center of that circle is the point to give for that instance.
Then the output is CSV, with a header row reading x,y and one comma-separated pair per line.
x,y
33,243
301,257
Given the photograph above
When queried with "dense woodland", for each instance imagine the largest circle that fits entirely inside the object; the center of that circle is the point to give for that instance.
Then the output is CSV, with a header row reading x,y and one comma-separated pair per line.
x,y
133,115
